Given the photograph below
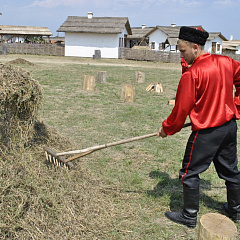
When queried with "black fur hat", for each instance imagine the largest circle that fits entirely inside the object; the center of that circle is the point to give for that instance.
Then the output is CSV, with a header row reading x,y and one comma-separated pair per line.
x,y
193,35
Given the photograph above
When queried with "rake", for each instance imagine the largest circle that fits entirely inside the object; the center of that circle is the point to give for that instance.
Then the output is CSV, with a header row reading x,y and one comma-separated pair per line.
x,y
58,158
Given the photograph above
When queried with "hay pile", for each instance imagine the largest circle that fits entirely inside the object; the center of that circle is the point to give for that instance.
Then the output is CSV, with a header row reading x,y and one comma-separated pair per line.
x,y
20,98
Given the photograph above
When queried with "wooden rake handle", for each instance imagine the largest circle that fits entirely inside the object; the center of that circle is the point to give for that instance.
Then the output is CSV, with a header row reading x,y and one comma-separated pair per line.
x,y
83,152
98,147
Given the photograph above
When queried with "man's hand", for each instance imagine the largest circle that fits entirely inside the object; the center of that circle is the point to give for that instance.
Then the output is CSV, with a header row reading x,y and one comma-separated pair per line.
x,y
161,133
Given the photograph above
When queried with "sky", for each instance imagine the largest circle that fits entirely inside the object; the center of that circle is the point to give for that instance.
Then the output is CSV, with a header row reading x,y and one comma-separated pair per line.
x,y
213,15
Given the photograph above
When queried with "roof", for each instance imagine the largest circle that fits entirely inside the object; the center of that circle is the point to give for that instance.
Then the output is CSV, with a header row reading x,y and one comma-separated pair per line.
x,y
139,32
231,45
24,30
170,31
95,25
213,35
172,41
173,33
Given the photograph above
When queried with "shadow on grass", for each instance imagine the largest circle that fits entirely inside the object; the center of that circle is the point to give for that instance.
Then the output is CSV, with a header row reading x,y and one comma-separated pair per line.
x,y
173,188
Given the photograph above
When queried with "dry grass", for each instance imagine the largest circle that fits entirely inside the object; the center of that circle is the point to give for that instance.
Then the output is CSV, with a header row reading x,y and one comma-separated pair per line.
x,y
20,99
116,193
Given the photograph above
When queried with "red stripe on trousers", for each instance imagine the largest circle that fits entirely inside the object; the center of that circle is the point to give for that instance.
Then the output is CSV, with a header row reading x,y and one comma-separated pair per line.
x,y
190,158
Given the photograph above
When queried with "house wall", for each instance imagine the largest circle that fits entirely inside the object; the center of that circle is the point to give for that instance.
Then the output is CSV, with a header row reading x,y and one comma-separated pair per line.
x,y
157,37
85,44
208,45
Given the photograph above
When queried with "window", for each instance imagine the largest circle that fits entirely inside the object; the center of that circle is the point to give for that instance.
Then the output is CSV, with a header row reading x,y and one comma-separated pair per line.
x,y
121,42
214,45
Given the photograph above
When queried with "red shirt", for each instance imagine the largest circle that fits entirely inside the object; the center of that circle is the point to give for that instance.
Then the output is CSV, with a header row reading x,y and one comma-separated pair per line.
x,y
184,65
205,94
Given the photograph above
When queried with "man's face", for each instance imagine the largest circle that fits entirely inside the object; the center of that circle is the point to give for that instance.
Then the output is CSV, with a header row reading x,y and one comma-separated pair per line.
x,y
188,51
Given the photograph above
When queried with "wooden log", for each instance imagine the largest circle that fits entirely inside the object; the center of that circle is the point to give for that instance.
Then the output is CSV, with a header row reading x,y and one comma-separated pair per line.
x,y
171,102
89,83
150,87
128,93
158,88
102,77
139,77
214,226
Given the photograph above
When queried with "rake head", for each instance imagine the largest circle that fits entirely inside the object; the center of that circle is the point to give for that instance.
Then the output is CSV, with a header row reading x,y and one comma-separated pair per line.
x,y
52,157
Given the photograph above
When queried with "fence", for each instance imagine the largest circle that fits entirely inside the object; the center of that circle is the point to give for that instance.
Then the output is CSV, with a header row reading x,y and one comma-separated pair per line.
x,y
34,49
159,56
124,53
149,55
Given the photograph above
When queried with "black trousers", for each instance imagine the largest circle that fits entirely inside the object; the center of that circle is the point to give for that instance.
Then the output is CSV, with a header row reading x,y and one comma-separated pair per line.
x,y
217,145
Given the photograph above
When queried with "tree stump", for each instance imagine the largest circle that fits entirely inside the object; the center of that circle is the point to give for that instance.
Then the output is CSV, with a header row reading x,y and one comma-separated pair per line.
x,y
89,83
140,77
102,77
214,226
128,93
97,54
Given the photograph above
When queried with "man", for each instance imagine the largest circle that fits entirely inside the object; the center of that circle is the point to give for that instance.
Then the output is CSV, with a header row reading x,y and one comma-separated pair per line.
x,y
205,94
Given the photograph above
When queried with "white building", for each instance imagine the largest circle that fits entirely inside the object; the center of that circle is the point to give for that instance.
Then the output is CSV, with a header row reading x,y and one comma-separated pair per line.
x,y
85,35
214,43
164,38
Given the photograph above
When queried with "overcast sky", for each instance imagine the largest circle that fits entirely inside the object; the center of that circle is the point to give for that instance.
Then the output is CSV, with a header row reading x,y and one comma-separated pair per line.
x,y
214,15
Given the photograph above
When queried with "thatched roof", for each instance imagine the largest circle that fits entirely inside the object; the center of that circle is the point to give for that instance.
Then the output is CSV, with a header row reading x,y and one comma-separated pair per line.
x,y
24,30
170,31
139,32
173,32
172,41
231,45
213,35
95,25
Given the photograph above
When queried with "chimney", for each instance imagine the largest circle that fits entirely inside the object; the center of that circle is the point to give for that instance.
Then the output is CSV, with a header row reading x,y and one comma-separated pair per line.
x,y
90,15
173,25
143,26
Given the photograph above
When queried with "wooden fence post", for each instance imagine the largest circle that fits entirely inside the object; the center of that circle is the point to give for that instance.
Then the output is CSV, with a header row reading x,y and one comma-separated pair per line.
x,y
214,226
89,83
128,93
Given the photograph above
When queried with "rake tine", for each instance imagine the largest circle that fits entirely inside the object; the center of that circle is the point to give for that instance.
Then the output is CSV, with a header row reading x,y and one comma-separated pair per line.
x,y
46,155
57,160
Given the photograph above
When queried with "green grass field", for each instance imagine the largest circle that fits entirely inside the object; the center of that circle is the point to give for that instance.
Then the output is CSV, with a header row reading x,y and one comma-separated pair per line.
x,y
120,192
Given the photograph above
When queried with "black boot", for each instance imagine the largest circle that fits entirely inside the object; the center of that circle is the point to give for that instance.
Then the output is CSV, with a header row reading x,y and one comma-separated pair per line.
x,y
232,207
188,216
